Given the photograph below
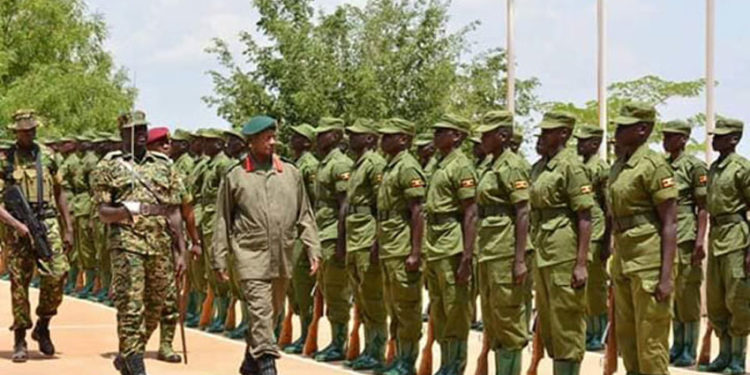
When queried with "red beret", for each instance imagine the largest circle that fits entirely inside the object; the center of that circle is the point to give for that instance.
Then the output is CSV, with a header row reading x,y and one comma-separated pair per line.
x,y
157,134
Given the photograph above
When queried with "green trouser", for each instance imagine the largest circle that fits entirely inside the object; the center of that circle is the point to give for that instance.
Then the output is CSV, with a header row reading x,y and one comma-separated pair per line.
x,y
403,295
302,286
687,286
366,280
596,286
561,312
503,305
337,292
642,322
529,285
728,294
85,243
265,299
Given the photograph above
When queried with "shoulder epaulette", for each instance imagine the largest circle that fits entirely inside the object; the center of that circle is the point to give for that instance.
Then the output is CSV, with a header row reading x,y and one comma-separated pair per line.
x,y
112,155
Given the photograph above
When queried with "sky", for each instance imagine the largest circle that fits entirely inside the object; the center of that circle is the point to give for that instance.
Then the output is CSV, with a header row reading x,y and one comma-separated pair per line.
x,y
161,44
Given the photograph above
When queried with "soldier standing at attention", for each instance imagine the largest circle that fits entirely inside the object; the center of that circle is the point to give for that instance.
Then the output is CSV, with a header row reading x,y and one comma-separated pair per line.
x,y
198,268
691,178
30,166
727,287
449,242
641,202
68,168
589,141
426,152
503,200
362,263
401,224
517,140
561,197
262,208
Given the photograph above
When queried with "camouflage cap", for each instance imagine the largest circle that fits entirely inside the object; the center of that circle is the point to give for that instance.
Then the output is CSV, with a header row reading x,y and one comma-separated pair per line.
x,y
305,130
398,125
24,119
728,126
585,131
633,113
232,132
495,119
455,122
363,126
182,135
258,124
132,119
557,119
677,127
329,123
424,139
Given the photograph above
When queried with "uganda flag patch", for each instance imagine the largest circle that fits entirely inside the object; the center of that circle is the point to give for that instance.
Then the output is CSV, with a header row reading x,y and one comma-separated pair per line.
x,y
667,183
703,179
468,183
416,183
586,189
345,176
519,185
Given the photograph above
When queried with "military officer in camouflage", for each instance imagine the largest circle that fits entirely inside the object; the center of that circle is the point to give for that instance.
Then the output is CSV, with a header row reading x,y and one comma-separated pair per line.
x,y
362,263
642,209
503,200
401,227
30,165
262,186
727,287
331,184
561,198
451,213
589,141
691,178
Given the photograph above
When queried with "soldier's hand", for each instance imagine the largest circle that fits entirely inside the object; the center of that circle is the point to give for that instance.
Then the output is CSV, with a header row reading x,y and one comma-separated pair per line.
x,y
314,266
698,254
663,290
580,276
222,275
68,240
179,266
22,230
464,271
196,251
519,272
412,263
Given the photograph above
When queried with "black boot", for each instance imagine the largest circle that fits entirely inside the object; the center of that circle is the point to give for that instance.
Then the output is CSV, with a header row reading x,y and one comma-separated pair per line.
x,y
249,365
267,365
135,365
120,365
20,354
40,334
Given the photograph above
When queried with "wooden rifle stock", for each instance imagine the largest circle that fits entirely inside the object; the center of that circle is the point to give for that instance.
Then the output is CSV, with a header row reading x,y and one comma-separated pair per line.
x,y
610,354
285,337
353,350
207,309
483,360
705,355
425,366
537,348
311,343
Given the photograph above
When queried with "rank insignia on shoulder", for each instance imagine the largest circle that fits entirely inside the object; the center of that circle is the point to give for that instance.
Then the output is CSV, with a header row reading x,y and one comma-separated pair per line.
x,y
518,185
667,182
345,176
416,183
586,189
468,183
379,178
703,179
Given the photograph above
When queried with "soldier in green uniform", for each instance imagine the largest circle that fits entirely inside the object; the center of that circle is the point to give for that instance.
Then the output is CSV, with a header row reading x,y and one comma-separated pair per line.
x,y
302,282
517,140
642,209
30,165
449,242
331,184
401,227
503,200
483,162
82,210
589,141
4,229
691,178
139,195
68,169
362,263
262,186
561,199
426,152
197,267
101,231
727,287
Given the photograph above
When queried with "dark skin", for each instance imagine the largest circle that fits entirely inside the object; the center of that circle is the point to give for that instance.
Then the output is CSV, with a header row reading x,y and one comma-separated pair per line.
x,y
479,153
68,148
360,144
425,153
447,140
515,146
300,144
196,146
627,140
392,145
587,148
551,143
163,146
674,144
179,148
235,146
327,141
496,142
213,146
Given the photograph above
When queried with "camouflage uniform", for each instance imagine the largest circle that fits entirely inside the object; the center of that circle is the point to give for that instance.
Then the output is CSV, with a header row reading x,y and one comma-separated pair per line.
x,y
68,169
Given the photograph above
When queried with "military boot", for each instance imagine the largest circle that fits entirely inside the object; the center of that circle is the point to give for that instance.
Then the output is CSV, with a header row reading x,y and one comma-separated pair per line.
x,y
678,342
507,362
445,358
395,363
135,365
88,287
566,368
297,346
458,351
70,283
687,358
191,306
598,323
196,317
40,334
739,350
372,357
336,351
267,364
722,360
166,351
20,351
35,281
249,365
222,307
407,358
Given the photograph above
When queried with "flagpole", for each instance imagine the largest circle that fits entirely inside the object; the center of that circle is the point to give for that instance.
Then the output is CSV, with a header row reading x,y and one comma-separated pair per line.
x,y
510,96
602,73
710,75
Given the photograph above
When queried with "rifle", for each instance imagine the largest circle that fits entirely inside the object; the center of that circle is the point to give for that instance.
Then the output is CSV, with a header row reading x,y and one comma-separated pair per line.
x,y
183,287
482,361
537,348
18,206
610,355
425,366
311,343
353,349
705,355
285,337
390,351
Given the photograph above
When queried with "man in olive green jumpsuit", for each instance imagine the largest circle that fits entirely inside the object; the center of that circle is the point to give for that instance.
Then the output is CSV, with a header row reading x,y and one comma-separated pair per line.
x,y
503,198
426,152
691,178
82,211
331,183
727,287
197,267
68,169
451,213
483,162
641,205
589,142
401,224
561,199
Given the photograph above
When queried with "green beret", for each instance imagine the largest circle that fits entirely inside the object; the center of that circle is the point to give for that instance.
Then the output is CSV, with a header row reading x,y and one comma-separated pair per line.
x,y
424,139
585,131
305,130
557,119
455,122
258,124
676,126
234,133
495,119
329,123
397,125
517,135
363,126
181,135
633,113
727,126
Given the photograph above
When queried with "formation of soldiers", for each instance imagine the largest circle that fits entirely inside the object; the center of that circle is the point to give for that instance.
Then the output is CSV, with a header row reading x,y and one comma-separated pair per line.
x,y
395,212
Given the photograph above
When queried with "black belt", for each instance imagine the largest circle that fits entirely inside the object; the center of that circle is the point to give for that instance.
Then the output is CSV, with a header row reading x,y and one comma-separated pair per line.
x,y
725,219
624,223
442,218
495,210
365,210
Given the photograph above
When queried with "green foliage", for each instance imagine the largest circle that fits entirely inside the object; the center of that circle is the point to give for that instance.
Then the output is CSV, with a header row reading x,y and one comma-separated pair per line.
x,y
52,60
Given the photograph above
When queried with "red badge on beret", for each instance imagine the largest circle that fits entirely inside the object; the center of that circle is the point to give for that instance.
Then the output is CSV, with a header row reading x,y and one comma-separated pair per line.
x,y
158,134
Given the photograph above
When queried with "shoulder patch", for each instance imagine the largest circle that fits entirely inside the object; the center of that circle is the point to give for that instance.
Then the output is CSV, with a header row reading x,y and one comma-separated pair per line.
x,y
468,183
416,183
703,179
345,176
520,185
586,189
379,178
667,182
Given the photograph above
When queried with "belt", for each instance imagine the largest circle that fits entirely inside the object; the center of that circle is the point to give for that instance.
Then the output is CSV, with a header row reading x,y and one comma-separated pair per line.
x,y
365,210
442,218
551,213
725,219
624,223
495,210
387,215
686,209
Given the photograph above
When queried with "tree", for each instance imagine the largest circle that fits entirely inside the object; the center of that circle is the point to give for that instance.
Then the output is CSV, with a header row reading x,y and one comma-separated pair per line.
x,y
53,60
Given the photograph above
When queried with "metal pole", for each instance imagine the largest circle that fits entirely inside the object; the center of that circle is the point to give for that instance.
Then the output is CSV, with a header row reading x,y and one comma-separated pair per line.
x,y
710,75
602,72
510,96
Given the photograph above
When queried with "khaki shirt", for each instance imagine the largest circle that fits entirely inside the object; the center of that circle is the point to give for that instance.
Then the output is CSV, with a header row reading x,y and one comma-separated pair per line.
x,y
308,166
260,214
214,172
194,184
361,196
728,195
333,177
691,179
598,172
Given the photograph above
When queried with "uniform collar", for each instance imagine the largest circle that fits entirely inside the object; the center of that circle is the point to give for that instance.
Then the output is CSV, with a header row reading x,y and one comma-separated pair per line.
x,y
552,163
334,153
723,163
394,160
639,153
450,157
673,162
303,155
366,155
251,164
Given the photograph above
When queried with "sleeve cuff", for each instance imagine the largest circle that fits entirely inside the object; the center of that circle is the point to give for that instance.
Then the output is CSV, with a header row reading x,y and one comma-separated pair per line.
x,y
663,195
